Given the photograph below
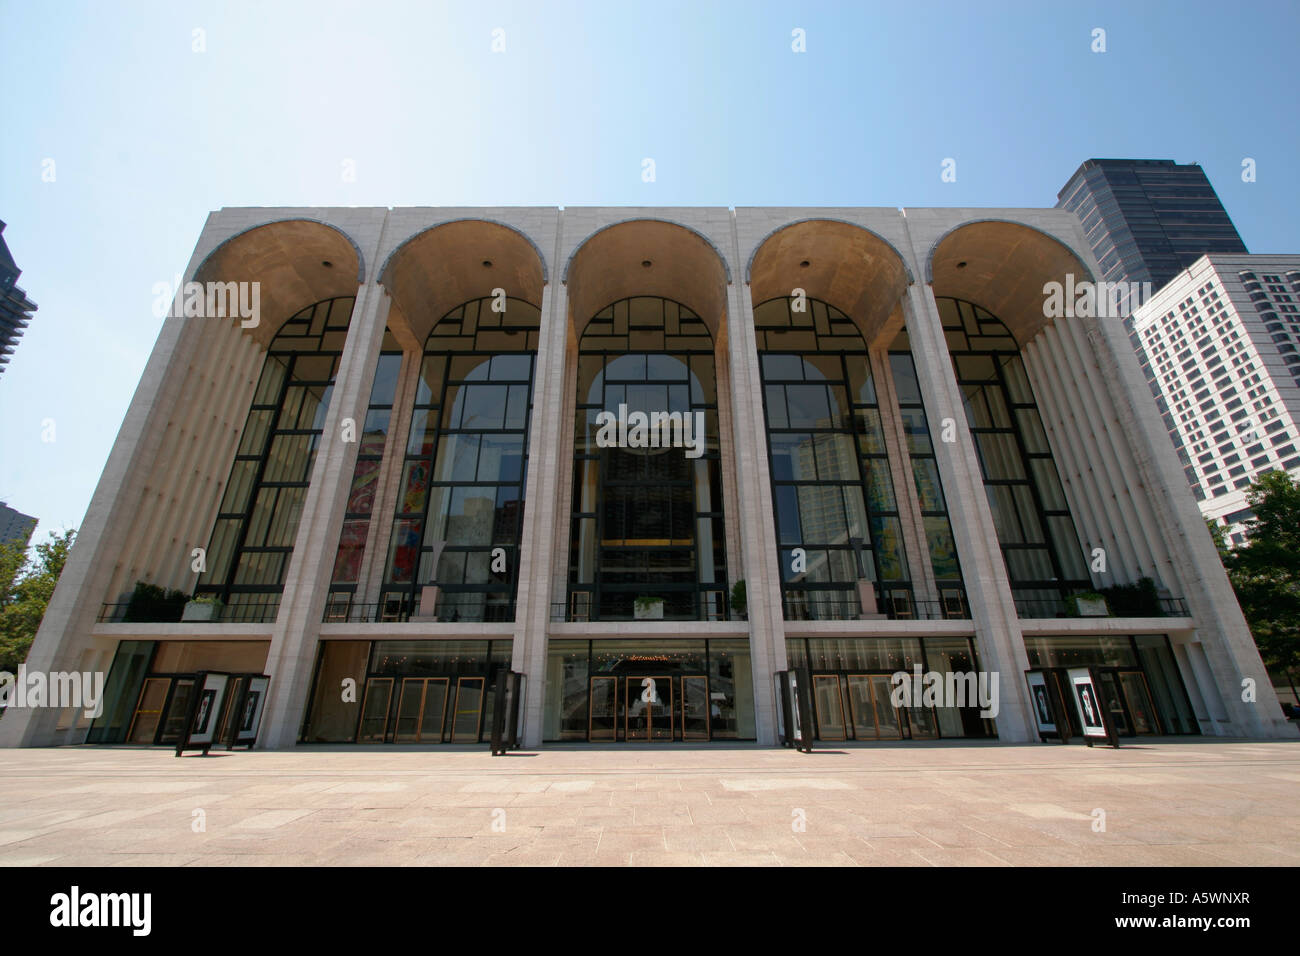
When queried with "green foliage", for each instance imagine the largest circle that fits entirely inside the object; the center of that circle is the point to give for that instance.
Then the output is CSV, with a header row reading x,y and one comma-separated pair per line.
x,y
739,599
1138,599
1220,539
26,586
1265,571
150,603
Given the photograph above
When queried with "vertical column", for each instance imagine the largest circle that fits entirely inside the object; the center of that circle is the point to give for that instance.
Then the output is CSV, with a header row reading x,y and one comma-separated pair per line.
x,y
542,532
293,643
370,579
900,472
761,564
997,626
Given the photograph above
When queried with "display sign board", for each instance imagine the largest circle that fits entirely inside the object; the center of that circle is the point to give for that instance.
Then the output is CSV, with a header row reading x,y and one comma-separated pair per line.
x,y
250,711
204,718
1041,704
1087,700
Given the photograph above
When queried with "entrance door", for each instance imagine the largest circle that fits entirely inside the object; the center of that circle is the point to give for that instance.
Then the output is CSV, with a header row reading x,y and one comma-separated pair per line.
x,y
830,707
1137,696
374,711
1114,703
148,711
695,708
873,713
602,709
648,708
421,711
177,710
467,718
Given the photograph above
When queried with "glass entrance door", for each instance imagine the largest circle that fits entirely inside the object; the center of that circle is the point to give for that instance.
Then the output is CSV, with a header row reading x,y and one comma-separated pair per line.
x,y
148,711
177,710
467,721
1114,703
374,711
1137,697
648,708
421,711
602,713
829,706
695,707
873,713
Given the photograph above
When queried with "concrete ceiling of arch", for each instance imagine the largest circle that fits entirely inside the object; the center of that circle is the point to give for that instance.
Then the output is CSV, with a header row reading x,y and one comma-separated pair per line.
x,y
444,266
287,259
683,266
1003,267
847,266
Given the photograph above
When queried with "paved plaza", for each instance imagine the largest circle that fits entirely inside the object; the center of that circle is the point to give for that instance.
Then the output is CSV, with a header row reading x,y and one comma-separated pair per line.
x,y
1164,803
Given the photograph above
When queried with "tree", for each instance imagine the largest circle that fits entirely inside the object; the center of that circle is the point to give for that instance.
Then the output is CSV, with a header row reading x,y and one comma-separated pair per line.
x,y
26,585
1265,571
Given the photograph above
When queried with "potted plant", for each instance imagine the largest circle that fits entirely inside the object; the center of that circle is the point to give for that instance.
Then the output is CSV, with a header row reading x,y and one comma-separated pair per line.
x,y
204,607
150,603
1088,604
739,600
647,608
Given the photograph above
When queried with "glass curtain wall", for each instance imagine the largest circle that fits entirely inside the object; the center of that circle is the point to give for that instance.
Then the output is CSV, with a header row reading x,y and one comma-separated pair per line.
x,y
1044,559
365,478
836,513
647,535
257,521
460,503
929,490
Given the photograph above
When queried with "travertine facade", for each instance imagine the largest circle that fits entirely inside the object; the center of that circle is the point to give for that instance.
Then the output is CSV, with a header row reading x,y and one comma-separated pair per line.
x,y
885,269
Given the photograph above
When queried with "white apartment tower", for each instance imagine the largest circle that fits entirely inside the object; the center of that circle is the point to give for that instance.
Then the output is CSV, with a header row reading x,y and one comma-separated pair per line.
x,y
1219,344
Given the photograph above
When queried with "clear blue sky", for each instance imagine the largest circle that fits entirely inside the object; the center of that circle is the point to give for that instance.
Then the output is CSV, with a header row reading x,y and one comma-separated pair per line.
x,y
148,136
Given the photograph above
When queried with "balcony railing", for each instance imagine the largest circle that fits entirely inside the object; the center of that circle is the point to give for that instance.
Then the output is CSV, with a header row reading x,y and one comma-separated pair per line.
x,y
805,607
451,609
1060,607
676,606
230,614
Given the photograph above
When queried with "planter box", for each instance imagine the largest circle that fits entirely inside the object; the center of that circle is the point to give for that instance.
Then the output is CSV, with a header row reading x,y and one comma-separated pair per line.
x,y
202,611
654,611
1091,607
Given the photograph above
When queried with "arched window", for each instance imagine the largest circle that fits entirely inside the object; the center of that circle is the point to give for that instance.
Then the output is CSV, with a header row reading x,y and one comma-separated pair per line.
x,y
648,535
460,504
1039,543
837,516
257,522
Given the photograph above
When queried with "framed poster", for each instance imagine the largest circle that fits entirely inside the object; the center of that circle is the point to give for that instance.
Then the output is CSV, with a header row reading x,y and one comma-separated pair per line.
x,y
205,712
250,717
1088,701
1040,703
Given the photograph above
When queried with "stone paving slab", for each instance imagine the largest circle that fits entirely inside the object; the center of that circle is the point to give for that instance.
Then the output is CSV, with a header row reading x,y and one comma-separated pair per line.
x,y
1163,803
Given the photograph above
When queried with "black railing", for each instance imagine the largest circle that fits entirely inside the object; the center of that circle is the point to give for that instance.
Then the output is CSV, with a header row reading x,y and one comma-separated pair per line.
x,y
810,608
1062,607
581,609
451,609
229,614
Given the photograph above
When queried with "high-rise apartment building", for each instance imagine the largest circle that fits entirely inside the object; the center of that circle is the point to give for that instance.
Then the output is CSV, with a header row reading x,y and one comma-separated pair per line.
x,y
1222,344
1147,219
16,309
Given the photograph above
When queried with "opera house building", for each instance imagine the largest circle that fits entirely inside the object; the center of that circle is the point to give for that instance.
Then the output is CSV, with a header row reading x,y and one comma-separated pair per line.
x,y
650,460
